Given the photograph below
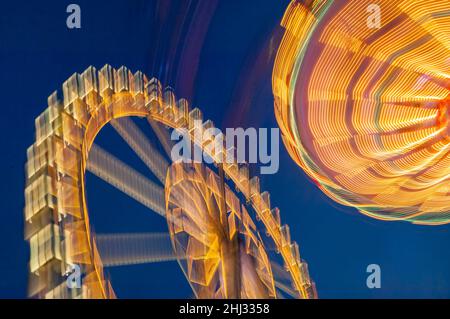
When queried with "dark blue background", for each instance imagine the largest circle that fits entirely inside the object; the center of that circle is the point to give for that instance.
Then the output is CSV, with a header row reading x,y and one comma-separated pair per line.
x,y
232,87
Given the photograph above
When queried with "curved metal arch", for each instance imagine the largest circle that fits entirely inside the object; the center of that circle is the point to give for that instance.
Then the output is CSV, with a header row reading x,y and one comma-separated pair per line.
x,y
67,131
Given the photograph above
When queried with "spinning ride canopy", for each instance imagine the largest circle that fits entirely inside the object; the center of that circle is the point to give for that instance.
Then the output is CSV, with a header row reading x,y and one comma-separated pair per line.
x,y
365,111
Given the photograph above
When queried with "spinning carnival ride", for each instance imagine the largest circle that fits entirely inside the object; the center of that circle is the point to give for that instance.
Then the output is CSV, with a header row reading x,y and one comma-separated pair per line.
x,y
223,251
365,109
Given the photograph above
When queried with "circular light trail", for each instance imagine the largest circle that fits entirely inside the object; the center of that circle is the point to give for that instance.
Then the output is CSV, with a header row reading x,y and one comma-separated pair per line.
x,y
364,110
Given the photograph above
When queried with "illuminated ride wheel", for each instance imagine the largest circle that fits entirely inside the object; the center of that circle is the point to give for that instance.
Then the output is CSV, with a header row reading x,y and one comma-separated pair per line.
x,y
220,249
212,232
362,96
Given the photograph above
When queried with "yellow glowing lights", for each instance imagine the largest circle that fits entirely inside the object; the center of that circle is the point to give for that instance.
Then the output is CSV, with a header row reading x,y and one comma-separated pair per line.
x,y
215,240
365,111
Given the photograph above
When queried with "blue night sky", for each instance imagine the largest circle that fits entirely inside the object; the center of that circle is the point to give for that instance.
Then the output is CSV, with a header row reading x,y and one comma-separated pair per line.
x,y
219,55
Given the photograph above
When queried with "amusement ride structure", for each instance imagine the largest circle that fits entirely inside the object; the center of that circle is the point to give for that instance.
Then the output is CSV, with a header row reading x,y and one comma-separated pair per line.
x,y
226,236
364,107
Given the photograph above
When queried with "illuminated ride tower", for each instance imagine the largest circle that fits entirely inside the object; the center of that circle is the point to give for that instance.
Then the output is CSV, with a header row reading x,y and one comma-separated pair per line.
x,y
226,236
362,99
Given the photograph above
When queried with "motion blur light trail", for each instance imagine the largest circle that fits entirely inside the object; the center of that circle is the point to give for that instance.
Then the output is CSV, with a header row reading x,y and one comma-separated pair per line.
x,y
212,233
365,111
131,249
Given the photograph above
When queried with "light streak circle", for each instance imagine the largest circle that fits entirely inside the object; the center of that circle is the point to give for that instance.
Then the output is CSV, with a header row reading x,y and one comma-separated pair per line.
x,y
364,110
